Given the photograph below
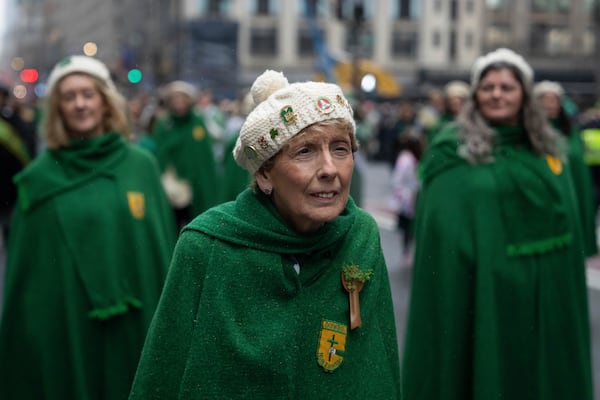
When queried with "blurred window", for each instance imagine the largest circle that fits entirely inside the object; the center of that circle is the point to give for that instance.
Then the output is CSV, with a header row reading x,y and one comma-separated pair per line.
x,y
551,5
453,10
469,6
219,8
305,42
263,41
405,9
404,44
436,39
469,40
264,7
437,6
497,4
321,7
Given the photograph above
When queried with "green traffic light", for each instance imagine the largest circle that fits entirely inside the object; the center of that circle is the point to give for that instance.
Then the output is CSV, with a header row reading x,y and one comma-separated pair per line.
x,y
134,75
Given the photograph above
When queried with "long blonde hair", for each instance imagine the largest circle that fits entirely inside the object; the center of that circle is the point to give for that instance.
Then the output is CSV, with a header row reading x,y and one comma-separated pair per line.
x,y
115,119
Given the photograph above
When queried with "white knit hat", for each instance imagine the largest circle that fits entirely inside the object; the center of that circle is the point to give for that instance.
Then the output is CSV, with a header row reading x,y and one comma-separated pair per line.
x,y
182,87
83,64
548,87
502,55
282,111
457,89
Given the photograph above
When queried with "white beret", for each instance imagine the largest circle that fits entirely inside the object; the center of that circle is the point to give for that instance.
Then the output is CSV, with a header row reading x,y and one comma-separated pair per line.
x,y
79,64
282,111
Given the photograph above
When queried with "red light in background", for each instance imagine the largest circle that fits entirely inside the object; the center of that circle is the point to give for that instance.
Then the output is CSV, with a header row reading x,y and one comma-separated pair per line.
x,y
29,75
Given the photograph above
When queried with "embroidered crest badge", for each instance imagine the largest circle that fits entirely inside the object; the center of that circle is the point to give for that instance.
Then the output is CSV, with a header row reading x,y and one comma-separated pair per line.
x,y
137,204
554,164
198,133
287,115
324,105
332,345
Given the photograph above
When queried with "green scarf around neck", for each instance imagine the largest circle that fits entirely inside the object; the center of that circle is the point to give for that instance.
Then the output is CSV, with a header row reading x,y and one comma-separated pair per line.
x,y
67,167
254,222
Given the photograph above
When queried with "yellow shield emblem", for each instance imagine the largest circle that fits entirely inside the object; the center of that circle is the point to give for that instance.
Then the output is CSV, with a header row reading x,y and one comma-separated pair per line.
x,y
198,133
554,164
332,345
137,204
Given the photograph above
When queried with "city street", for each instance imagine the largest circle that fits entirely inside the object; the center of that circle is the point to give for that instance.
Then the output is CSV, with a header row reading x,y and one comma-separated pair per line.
x,y
375,195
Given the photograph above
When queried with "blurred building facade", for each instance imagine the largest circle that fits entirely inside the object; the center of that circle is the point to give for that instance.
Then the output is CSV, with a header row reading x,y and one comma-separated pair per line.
x,y
218,43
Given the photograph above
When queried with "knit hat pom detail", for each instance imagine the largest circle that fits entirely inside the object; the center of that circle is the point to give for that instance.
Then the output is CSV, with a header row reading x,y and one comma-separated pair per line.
x,y
266,84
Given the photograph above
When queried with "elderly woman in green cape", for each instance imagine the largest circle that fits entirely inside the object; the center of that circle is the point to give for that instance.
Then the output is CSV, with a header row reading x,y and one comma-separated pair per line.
x,y
88,251
499,300
282,293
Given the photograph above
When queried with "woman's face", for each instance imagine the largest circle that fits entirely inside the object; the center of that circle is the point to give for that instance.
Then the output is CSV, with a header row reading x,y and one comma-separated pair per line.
x,y
310,178
179,104
81,105
500,96
551,104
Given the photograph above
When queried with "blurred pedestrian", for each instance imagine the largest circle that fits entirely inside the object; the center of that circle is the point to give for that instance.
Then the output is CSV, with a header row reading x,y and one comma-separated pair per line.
x,y
15,154
456,94
185,154
498,303
89,248
405,187
550,95
255,305
235,179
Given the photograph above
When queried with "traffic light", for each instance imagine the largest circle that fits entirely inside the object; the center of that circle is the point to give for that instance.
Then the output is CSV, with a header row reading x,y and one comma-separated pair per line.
x,y
29,75
134,75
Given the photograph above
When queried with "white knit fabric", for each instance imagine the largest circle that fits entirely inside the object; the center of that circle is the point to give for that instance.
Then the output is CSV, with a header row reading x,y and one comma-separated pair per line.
x,y
548,87
502,55
282,111
182,87
457,89
83,64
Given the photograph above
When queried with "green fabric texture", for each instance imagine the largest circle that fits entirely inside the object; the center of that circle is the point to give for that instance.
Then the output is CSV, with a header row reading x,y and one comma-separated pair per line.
x,y
485,322
584,189
85,269
185,144
234,179
237,322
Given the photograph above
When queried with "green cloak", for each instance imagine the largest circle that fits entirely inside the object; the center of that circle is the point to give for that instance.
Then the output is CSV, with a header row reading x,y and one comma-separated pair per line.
x,y
237,322
88,252
185,144
584,189
498,305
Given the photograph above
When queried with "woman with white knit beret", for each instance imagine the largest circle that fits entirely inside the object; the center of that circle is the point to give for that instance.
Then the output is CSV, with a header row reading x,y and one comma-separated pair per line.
x,y
498,305
89,247
282,293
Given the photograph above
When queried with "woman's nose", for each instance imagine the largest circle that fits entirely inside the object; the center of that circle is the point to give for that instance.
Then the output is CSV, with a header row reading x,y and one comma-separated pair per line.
x,y
328,168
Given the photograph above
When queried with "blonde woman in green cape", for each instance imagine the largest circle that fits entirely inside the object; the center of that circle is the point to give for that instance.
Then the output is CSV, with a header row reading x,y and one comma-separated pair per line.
x,y
88,251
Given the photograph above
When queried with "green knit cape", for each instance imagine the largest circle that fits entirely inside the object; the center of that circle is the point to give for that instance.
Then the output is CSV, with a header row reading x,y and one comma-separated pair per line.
x,y
88,252
237,322
498,305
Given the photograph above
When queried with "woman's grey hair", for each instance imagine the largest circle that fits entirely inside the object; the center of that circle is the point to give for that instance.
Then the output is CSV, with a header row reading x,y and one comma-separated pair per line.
x,y
115,119
477,136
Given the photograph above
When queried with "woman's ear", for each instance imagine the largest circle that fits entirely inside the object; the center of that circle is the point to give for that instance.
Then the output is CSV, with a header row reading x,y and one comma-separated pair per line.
x,y
263,181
